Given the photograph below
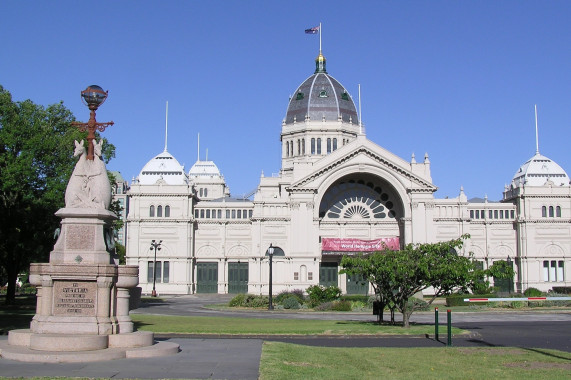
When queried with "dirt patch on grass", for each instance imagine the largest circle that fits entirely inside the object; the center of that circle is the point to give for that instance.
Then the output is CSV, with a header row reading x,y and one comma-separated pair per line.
x,y
492,351
539,365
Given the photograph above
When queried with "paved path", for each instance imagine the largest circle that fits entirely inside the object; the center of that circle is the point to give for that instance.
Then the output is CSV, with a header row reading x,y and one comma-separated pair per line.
x,y
239,358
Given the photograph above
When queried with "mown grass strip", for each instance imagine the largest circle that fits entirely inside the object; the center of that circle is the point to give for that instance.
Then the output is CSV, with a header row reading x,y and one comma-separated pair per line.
x,y
291,361
260,326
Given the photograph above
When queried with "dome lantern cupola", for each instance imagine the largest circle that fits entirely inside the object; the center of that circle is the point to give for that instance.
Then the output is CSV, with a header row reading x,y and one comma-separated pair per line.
x,y
320,62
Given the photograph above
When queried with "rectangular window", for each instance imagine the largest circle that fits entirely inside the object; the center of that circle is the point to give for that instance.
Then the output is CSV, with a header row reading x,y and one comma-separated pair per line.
x,y
202,213
208,214
166,267
196,214
318,146
295,276
250,214
495,214
471,214
334,144
239,214
310,276
501,214
490,214
227,214
233,214
553,271
328,145
512,214
158,271
219,214
150,272
560,271
303,146
312,146
546,271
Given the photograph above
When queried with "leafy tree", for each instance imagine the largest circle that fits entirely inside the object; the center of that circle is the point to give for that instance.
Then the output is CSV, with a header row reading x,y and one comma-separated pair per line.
x,y
36,161
396,276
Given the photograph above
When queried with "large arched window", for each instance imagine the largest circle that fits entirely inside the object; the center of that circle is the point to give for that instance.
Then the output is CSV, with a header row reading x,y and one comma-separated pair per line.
x,y
303,146
159,211
543,211
287,149
318,146
167,211
328,145
334,144
360,198
558,211
551,214
313,146
152,211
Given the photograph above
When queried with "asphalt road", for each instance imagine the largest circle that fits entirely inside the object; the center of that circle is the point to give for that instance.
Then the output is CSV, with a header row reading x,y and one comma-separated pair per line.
x,y
526,329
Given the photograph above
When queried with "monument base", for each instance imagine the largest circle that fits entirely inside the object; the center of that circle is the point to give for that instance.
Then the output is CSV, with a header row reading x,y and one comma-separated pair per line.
x,y
139,344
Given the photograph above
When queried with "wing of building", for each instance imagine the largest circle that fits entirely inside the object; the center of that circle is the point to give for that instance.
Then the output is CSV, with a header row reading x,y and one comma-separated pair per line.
x,y
337,193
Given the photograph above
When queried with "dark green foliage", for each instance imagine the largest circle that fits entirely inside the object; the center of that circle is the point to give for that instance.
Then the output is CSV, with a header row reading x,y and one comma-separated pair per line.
x,y
357,298
238,300
533,292
418,304
249,300
341,306
318,294
566,290
291,302
297,293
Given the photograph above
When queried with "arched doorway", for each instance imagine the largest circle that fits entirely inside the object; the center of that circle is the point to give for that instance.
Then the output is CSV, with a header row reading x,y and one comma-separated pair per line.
x,y
357,210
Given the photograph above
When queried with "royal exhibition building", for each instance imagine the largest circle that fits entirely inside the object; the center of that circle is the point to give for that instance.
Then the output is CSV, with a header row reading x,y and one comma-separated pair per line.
x,y
337,193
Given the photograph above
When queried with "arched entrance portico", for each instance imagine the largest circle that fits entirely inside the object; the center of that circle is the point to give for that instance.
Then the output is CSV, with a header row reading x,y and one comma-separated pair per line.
x,y
356,211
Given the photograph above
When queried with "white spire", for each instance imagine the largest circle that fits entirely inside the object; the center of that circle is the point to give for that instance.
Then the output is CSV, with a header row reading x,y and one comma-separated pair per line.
x,y
536,133
166,125
360,116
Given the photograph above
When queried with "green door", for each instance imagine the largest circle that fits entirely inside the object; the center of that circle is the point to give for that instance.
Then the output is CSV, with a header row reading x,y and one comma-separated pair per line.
x,y
356,284
328,274
237,278
207,277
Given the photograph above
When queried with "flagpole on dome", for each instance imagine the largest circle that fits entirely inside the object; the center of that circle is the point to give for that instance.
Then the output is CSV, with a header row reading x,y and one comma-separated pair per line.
x,y
167,126
320,38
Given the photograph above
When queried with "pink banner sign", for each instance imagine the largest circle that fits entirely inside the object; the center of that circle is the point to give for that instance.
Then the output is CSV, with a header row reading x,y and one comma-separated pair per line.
x,y
357,245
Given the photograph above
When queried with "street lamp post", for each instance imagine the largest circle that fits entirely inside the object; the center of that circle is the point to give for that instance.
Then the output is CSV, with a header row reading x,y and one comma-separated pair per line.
x,y
93,96
155,246
271,252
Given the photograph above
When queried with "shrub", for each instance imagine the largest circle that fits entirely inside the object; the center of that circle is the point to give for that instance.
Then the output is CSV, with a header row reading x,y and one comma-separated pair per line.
x,y
356,298
341,305
325,306
291,303
297,293
319,294
257,301
237,301
564,290
532,292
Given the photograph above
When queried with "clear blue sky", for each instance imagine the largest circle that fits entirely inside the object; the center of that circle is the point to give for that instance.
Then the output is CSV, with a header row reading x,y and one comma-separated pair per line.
x,y
456,79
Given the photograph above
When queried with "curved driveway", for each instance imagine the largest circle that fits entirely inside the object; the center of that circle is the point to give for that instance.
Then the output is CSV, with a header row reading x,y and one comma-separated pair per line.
x,y
528,329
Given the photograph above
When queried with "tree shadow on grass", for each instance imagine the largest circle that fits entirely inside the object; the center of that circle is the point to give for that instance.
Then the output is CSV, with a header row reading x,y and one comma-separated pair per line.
x,y
544,352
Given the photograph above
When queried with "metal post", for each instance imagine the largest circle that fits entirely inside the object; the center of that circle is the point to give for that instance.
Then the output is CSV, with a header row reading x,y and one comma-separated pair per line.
x,y
436,323
271,306
449,343
156,246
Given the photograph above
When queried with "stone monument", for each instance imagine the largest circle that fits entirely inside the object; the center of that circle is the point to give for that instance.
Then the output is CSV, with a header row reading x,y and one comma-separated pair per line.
x,y
82,311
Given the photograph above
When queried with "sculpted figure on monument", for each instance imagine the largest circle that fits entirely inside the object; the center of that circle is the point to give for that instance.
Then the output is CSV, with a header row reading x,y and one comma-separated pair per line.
x,y
89,185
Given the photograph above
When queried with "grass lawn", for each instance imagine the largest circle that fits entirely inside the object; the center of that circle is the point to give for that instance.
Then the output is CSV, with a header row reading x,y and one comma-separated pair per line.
x,y
259,326
291,361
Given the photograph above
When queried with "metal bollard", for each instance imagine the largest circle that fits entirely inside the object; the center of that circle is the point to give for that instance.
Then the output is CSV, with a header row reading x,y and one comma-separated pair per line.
x,y
449,314
436,323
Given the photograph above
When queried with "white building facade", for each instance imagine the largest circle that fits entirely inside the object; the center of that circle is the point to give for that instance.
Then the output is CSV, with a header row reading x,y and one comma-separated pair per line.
x,y
337,193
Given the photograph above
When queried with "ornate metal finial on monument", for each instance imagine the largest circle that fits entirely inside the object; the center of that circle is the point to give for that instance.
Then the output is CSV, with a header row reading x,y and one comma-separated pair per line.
x,y
93,96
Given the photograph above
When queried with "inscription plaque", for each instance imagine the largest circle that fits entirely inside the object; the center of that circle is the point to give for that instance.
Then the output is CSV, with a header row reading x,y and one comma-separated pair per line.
x,y
80,237
75,298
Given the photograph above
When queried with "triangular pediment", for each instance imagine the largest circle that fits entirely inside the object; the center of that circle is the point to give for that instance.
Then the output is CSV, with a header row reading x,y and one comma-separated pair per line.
x,y
363,152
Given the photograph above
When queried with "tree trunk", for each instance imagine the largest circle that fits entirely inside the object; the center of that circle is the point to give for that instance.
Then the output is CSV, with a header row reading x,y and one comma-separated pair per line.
x,y
11,290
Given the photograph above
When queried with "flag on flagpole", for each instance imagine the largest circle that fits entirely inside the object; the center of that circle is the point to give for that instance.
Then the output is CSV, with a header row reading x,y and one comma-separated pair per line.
x,y
313,30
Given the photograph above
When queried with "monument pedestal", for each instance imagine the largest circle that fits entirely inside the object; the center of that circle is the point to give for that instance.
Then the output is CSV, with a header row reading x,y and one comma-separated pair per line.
x,y
82,299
